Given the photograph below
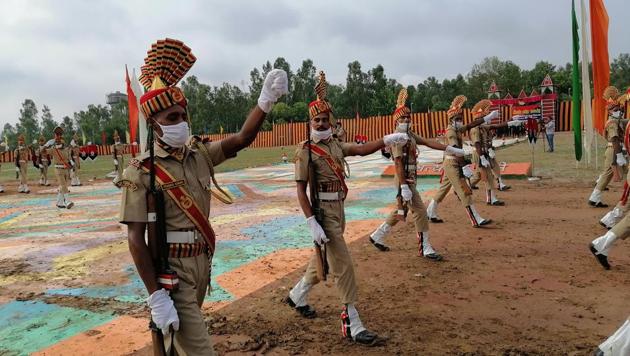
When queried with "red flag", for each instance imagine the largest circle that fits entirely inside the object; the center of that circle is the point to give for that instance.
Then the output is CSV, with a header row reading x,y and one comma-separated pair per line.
x,y
132,104
601,66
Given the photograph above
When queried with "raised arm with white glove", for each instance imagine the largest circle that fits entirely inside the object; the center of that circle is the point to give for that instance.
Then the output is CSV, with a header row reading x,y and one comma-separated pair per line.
x,y
621,159
484,161
319,236
455,151
405,192
397,138
276,85
493,115
163,312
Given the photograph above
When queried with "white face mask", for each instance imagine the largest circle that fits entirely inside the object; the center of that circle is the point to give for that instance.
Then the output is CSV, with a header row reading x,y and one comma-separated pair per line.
x,y
321,135
175,135
403,127
458,124
616,114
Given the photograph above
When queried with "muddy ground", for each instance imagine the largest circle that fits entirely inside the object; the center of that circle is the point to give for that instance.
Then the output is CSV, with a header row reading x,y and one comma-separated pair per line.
x,y
526,285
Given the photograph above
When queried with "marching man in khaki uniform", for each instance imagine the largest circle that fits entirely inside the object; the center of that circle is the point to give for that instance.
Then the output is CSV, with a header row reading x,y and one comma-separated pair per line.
x,y
43,161
484,157
76,156
181,176
319,165
455,169
118,149
62,160
615,162
621,230
622,207
22,157
405,158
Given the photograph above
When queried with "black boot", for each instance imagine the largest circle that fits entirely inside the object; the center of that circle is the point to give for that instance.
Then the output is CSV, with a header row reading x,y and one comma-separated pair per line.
x,y
306,311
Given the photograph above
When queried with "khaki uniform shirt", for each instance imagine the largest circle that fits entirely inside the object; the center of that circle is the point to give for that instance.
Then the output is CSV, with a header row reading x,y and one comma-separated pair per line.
x,y
411,150
65,154
23,154
614,129
481,135
338,150
453,138
193,170
42,153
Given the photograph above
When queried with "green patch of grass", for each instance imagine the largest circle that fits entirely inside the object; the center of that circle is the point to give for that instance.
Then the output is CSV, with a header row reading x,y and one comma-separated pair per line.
x,y
102,165
561,163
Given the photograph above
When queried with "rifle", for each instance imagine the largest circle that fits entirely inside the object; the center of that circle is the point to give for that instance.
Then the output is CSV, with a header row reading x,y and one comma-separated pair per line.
x,y
322,263
401,204
156,233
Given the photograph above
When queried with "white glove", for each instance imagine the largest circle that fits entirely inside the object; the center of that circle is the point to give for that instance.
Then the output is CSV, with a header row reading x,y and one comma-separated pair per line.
x,y
493,115
163,311
115,162
454,151
484,161
72,162
50,143
621,159
397,138
467,171
17,169
514,123
405,192
491,153
319,236
276,84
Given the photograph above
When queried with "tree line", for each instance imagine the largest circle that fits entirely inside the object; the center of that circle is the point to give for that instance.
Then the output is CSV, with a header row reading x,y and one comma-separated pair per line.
x,y
223,108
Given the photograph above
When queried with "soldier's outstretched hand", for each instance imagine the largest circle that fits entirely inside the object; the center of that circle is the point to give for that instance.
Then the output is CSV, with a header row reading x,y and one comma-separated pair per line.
x,y
276,85
493,115
455,151
394,139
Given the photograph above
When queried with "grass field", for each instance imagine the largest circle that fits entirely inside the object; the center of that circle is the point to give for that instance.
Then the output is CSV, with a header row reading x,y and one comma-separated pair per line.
x,y
560,164
102,165
546,164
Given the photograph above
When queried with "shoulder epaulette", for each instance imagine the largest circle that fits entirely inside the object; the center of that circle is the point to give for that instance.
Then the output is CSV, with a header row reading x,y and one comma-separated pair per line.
x,y
137,161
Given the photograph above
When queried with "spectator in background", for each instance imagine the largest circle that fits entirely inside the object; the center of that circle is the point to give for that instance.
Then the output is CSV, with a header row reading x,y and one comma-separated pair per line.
x,y
285,158
550,129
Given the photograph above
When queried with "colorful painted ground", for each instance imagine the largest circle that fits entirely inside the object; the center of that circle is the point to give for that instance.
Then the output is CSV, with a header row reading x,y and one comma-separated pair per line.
x,y
67,281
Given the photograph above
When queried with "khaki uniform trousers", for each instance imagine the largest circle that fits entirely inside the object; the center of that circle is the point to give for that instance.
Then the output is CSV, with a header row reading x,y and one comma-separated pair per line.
x,y
417,209
43,172
496,169
607,175
192,338
120,168
452,179
337,255
23,169
484,173
63,176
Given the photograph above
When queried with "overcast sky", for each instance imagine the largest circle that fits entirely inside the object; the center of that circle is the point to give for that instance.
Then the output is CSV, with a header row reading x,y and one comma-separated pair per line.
x,y
68,54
